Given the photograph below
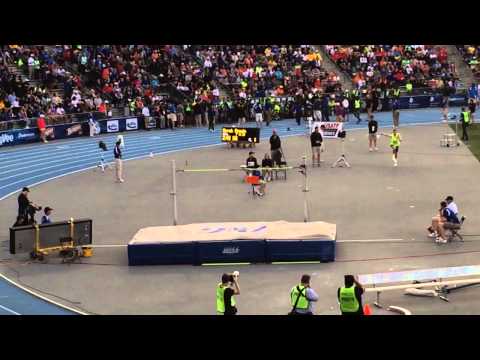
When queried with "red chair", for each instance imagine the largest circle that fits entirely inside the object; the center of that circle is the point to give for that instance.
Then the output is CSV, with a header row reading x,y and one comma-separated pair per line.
x,y
254,181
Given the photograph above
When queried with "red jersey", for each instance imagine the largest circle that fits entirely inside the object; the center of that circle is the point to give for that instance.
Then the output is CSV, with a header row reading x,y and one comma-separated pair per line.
x,y
41,123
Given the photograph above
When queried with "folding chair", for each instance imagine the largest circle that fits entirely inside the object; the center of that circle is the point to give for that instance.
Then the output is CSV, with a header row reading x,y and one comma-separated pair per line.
x,y
253,181
454,233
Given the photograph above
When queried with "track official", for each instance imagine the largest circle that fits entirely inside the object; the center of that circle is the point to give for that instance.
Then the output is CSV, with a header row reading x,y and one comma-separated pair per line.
x,y
117,154
465,117
316,142
350,296
275,148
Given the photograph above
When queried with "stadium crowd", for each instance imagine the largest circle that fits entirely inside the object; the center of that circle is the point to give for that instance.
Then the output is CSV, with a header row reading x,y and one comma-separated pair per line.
x,y
387,66
471,55
198,83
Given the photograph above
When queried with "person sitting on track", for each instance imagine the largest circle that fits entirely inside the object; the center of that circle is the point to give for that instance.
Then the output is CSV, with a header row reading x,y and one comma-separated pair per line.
x,y
252,163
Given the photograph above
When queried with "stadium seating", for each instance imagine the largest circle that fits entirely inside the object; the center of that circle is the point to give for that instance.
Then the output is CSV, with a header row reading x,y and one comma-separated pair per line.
x,y
471,55
423,66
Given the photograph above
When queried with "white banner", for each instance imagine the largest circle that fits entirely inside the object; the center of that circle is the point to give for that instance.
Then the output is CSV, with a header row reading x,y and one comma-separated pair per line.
x,y
112,126
131,124
329,130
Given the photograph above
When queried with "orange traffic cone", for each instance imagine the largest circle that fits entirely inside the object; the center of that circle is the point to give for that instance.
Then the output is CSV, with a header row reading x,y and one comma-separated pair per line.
x,y
367,310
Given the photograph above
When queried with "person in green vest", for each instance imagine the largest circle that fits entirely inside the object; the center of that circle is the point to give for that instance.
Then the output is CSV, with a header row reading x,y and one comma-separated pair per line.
x,y
36,68
302,297
465,118
226,304
276,111
409,87
395,140
355,93
357,106
395,93
350,296
131,105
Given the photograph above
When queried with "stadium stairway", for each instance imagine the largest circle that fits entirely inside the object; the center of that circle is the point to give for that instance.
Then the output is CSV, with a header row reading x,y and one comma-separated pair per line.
x,y
330,66
464,72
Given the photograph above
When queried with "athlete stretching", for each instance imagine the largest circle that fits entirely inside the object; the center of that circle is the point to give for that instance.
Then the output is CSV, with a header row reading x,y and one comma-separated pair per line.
x,y
395,140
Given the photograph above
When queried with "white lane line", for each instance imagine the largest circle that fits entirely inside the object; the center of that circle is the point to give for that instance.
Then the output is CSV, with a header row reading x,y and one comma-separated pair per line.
x,y
9,310
40,296
369,240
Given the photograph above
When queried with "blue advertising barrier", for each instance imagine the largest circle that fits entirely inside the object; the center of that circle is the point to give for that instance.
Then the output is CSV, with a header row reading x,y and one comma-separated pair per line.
x,y
423,101
63,131
25,136
108,126
231,251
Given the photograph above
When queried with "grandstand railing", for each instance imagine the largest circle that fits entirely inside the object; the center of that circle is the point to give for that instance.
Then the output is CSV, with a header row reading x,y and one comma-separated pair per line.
x,y
51,120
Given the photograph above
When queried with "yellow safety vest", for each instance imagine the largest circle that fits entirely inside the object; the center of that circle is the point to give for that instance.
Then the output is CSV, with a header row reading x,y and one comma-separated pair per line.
x,y
348,300
221,298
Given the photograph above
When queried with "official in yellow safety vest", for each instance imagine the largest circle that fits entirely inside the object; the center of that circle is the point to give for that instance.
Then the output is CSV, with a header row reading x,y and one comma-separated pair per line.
x,y
465,117
357,107
302,296
395,140
226,304
350,296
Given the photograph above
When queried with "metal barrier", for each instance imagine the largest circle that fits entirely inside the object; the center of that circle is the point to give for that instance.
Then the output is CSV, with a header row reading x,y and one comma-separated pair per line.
x,y
51,120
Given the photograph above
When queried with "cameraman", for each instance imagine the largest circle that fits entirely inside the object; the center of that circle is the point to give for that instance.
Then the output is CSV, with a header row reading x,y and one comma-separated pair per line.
x,y
302,297
23,202
225,294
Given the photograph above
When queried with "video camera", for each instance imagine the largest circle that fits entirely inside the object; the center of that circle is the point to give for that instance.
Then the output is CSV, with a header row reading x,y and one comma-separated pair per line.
x,y
231,277
31,211
342,134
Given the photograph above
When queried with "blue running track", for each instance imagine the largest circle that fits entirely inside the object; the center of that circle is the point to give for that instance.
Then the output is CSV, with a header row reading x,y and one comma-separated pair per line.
x,y
30,165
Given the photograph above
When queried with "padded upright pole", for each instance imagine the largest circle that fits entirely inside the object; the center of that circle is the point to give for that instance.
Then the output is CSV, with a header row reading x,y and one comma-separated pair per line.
x,y
305,190
174,193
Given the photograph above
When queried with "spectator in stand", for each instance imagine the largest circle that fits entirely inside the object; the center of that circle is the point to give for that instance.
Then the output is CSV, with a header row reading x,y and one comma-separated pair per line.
x,y
346,106
396,112
211,117
197,111
171,115
180,115
42,127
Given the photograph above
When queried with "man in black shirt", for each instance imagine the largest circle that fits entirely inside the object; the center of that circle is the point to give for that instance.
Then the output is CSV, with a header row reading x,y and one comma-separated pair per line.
x,y
372,133
316,141
23,202
117,154
275,148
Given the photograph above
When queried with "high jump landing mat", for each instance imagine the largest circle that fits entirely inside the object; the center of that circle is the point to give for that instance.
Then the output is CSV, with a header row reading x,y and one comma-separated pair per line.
x,y
233,242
